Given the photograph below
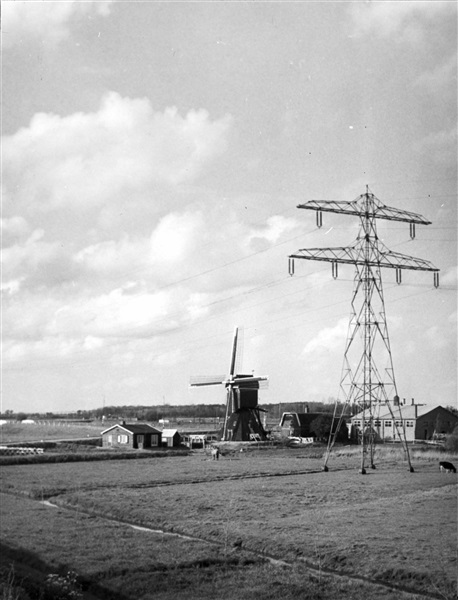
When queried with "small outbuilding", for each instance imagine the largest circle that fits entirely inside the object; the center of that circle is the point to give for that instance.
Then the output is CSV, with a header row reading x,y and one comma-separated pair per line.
x,y
298,424
131,436
171,438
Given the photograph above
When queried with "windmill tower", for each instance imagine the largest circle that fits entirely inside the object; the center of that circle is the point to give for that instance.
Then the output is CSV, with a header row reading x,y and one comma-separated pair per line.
x,y
242,421
367,379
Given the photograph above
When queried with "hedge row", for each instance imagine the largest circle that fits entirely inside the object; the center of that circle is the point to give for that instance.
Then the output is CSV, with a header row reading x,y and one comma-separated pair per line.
x,y
81,457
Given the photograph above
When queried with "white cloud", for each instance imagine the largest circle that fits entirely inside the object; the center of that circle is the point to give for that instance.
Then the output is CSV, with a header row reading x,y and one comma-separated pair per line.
x,y
12,286
275,227
36,262
43,349
114,258
37,326
166,359
120,151
93,343
117,313
450,277
328,339
175,235
442,76
45,22
437,337
409,20
13,229
439,146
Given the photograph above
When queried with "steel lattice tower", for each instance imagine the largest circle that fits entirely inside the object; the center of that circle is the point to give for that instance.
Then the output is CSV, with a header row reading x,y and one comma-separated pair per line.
x,y
367,379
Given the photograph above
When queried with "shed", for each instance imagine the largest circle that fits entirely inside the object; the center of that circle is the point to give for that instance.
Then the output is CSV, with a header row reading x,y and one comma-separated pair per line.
x,y
298,424
171,438
134,436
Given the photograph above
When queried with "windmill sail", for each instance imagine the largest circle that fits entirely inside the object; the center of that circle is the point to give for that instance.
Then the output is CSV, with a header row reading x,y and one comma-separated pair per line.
x,y
234,353
203,380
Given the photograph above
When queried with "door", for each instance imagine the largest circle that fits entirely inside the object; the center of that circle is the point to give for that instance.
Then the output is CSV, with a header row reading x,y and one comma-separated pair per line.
x,y
140,441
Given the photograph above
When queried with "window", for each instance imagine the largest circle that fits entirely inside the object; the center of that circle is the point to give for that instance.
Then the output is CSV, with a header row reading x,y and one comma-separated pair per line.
x,y
409,423
357,423
377,423
388,424
398,423
123,439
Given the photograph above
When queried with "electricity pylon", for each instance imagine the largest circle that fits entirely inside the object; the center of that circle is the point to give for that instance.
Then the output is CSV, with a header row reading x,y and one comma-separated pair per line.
x,y
364,382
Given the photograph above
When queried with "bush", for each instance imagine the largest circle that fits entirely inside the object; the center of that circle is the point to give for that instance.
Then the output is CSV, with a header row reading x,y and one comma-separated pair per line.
x,y
62,587
451,441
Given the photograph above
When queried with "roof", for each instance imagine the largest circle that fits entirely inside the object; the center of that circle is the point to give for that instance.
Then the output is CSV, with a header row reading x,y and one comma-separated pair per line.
x,y
134,428
400,412
169,432
301,419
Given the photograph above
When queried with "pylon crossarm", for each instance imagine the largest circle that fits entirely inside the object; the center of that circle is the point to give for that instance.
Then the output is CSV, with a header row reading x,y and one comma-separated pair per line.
x,y
351,255
347,255
395,260
358,207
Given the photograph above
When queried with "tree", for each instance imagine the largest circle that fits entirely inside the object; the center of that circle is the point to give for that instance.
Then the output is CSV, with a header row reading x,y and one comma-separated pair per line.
x,y
321,427
451,441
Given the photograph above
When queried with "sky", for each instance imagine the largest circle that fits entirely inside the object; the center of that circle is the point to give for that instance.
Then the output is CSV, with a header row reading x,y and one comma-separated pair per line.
x,y
153,157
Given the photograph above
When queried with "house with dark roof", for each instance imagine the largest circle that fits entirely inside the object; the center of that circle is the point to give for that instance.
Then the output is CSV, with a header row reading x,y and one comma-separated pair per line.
x,y
297,424
131,436
418,421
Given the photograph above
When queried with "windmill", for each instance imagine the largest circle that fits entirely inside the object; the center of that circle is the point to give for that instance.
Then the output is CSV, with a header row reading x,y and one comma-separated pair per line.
x,y
242,421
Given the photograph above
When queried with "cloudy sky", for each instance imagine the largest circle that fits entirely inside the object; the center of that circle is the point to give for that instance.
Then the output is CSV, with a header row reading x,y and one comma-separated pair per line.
x,y
154,154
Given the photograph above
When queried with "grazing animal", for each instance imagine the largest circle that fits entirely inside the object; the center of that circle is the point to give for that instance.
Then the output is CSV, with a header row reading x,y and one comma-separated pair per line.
x,y
448,467
215,453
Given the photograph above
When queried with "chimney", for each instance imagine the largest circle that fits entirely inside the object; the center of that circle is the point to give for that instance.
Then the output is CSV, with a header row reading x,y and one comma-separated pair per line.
x,y
413,402
396,401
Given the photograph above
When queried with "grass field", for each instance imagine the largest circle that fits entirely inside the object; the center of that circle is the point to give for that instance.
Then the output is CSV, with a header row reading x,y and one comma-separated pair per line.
x,y
388,534
34,432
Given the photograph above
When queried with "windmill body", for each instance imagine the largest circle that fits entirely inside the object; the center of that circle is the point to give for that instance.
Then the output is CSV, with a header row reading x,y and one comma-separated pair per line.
x,y
242,422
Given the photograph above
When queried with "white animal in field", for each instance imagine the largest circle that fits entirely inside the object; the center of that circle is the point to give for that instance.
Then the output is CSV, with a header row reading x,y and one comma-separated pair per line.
x,y
215,453
448,467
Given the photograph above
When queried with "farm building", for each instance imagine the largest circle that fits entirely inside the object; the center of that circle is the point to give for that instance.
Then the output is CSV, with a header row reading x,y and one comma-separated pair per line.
x,y
297,424
171,438
135,436
420,422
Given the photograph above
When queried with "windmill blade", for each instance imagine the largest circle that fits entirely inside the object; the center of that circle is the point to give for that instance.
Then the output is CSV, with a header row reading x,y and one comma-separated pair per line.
x,y
206,380
229,404
234,353
240,348
248,378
